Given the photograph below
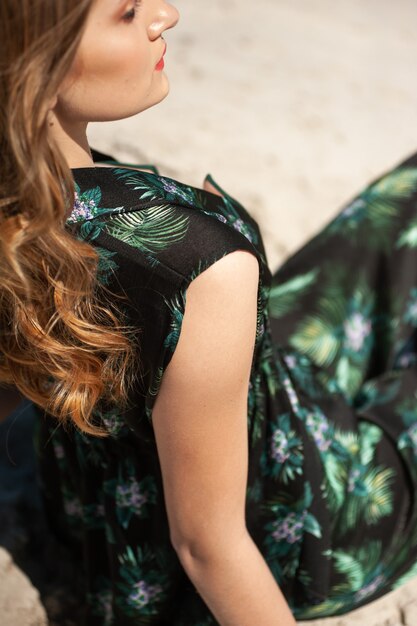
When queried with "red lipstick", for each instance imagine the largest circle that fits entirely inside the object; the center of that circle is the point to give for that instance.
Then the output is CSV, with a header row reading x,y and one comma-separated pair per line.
x,y
161,64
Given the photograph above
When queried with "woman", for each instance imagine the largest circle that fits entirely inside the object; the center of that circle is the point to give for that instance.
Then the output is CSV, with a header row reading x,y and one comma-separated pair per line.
x,y
216,445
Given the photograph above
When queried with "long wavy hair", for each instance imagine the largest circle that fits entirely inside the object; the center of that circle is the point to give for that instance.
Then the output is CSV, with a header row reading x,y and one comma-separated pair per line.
x,y
62,344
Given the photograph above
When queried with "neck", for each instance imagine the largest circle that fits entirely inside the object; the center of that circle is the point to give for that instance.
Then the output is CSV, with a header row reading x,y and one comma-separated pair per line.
x,y
72,141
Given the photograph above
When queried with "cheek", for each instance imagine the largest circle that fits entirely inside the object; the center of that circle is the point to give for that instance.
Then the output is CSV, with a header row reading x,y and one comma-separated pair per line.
x,y
116,59
110,80
116,63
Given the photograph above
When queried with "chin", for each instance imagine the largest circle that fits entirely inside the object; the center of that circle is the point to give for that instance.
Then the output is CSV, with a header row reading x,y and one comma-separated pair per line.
x,y
160,97
152,100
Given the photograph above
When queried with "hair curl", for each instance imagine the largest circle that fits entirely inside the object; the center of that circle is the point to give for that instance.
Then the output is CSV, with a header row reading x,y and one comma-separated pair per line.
x,y
61,344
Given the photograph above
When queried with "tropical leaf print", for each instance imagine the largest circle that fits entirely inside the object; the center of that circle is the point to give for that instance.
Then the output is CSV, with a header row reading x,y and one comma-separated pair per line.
x,y
156,383
363,573
407,409
87,205
408,439
379,204
261,317
319,499
362,568
107,266
408,237
268,365
369,494
154,188
176,306
305,373
319,335
335,448
149,230
283,298
132,497
114,423
370,436
340,332
371,394
284,457
256,404
334,481
284,534
234,218
143,584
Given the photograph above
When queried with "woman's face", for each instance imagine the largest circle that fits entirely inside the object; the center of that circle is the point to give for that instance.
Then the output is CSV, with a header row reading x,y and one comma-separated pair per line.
x,y
118,70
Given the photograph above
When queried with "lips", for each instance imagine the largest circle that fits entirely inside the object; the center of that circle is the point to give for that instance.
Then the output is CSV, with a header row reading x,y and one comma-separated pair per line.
x,y
161,63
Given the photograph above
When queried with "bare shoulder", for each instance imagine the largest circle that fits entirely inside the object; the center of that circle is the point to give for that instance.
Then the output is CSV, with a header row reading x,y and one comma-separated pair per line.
x,y
238,266
220,317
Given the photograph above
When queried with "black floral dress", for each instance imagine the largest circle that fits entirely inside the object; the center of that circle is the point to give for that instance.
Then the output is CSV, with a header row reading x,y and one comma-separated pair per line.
x,y
331,413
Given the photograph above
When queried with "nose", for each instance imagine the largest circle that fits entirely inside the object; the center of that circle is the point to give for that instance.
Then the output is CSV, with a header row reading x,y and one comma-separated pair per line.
x,y
173,15
166,18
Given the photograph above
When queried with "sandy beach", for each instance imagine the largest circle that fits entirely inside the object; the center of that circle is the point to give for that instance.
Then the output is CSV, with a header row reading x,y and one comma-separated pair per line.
x,y
292,106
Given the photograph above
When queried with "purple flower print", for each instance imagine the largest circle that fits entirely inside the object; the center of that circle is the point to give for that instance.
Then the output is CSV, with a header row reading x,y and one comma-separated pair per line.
x,y
353,208
318,426
279,446
220,217
291,361
83,210
169,186
290,528
143,593
370,588
129,495
73,507
353,478
357,328
113,423
239,224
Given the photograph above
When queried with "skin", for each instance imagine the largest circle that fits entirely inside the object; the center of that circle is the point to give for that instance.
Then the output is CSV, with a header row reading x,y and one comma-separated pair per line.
x,y
113,76
200,414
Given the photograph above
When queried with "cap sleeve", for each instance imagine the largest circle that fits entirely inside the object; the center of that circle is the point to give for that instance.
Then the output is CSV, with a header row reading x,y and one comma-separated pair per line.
x,y
208,241
156,286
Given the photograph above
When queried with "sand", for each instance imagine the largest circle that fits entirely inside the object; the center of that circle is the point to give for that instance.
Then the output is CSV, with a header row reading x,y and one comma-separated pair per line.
x,y
292,106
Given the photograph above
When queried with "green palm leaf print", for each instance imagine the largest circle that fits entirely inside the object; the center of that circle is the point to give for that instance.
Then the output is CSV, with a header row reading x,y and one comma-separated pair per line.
x,y
151,187
283,298
379,204
318,336
150,230
408,237
357,566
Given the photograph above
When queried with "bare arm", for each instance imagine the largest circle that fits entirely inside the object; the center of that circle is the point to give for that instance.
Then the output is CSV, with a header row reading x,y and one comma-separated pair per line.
x,y
200,424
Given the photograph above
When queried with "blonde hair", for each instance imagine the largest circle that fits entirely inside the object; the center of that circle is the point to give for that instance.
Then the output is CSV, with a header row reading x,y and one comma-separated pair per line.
x,y
61,344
